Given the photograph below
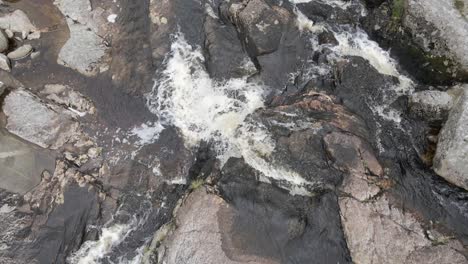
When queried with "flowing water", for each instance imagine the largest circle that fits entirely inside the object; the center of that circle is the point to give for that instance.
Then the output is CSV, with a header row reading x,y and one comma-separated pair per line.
x,y
206,110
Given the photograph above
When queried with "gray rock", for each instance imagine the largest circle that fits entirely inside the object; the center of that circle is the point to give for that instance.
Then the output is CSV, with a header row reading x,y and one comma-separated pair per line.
x,y
37,122
9,33
3,42
431,105
451,28
17,21
83,50
5,63
21,52
259,24
450,161
22,164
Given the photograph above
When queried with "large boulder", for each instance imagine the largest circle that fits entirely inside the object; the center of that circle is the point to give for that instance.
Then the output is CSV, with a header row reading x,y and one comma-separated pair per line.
x,y
37,122
85,49
429,37
450,160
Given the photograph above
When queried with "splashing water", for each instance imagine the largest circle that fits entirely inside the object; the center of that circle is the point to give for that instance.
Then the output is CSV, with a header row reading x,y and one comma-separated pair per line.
x,y
91,252
206,110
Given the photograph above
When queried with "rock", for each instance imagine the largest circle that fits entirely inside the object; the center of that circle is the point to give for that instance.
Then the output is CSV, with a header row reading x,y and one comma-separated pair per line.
x,y
319,12
199,236
431,105
355,157
34,35
21,52
36,54
373,3
37,122
226,57
65,95
450,161
295,223
83,50
377,232
22,164
9,33
5,63
17,21
3,42
430,38
259,24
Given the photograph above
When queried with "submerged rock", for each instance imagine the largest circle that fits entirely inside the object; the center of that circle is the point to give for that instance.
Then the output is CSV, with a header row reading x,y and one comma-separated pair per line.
x,y
22,164
450,161
37,122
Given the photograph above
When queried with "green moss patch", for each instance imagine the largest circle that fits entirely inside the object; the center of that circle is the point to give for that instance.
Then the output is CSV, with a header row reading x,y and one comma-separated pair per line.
x,y
398,9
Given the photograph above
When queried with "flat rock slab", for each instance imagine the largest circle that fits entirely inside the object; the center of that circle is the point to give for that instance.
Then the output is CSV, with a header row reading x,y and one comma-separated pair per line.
x,y
198,238
31,119
21,165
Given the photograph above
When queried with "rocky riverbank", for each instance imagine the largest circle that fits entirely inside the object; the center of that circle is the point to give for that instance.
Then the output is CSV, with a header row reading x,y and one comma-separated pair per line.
x,y
255,131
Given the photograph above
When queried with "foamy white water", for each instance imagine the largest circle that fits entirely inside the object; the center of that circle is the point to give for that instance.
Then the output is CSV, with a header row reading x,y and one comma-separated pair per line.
x,y
206,110
92,252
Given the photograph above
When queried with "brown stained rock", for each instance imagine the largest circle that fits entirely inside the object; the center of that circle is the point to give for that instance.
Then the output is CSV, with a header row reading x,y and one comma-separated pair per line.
x,y
377,232
351,154
201,221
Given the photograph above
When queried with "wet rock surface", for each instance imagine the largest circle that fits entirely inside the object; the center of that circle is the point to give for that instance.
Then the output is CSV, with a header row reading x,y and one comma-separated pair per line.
x,y
256,131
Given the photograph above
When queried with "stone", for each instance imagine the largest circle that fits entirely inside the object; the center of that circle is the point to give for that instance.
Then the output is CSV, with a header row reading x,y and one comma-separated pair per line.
x,y
429,37
198,238
83,50
3,42
22,164
34,35
5,63
450,28
9,33
65,95
377,232
17,21
35,54
20,53
450,161
226,57
259,24
45,125
431,105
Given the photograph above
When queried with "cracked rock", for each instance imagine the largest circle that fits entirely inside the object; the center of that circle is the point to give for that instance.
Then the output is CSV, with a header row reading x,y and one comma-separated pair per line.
x,y
45,125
